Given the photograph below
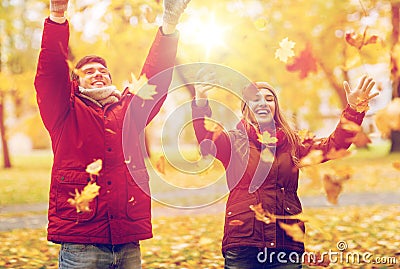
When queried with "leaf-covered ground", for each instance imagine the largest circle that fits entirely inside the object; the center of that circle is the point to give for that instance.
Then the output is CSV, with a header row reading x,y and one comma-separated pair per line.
x,y
194,241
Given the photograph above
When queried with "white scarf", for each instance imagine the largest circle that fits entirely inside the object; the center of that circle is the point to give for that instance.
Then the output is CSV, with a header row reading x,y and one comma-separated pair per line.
x,y
101,96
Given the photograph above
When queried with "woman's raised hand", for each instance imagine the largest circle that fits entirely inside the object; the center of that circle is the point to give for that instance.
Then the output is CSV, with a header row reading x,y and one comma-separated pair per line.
x,y
359,97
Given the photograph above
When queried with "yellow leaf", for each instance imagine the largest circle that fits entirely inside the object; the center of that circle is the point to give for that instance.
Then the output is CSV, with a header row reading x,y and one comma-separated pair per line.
x,y
110,131
81,200
267,156
285,50
95,167
262,215
337,154
261,23
72,68
293,230
266,138
141,88
312,158
305,135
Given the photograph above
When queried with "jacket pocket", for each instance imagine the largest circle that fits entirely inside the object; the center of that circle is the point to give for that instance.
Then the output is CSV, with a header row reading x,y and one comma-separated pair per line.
x,y
139,201
291,208
68,182
240,219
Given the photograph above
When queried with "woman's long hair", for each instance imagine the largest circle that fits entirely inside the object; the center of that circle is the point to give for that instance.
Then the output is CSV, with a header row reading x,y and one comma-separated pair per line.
x,y
279,118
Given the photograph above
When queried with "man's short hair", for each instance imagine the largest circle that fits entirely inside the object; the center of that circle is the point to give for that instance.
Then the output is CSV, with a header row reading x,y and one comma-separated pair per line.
x,y
85,60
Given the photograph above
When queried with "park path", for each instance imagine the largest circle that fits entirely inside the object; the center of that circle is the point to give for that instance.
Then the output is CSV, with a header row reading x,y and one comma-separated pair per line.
x,y
34,215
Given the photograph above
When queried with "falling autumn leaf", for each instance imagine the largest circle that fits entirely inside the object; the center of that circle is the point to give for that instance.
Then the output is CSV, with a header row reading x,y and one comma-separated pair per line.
x,y
160,165
396,165
349,125
388,118
149,14
293,230
81,200
261,23
95,167
267,156
141,88
337,154
213,126
262,215
362,104
266,138
342,173
312,158
360,140
305,135
236,222
72,68
358,40
305,63
333,187
285,50
110,131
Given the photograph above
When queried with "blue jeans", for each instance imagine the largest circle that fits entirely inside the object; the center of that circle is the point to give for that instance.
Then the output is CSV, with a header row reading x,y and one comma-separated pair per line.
x,y
258,258
99,256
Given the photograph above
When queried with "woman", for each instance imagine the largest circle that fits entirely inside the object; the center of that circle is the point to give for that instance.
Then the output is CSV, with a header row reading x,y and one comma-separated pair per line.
x,y
249,243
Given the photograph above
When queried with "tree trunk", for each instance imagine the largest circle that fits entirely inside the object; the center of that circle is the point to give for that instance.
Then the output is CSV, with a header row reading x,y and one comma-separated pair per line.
x,y
6,154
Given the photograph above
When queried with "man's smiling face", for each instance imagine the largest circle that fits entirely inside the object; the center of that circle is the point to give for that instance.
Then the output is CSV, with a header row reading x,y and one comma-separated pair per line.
x,y
94,75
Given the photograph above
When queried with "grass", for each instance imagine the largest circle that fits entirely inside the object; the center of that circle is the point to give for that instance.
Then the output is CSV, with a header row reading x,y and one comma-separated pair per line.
x,y
28,181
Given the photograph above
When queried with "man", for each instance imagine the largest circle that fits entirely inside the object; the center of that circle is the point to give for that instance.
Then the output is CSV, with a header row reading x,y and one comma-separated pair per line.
x,y
88,119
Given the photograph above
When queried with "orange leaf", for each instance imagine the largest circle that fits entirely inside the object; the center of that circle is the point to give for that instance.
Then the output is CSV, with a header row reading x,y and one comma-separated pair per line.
x,y
332,188
236,222
305,63
293,230
160,165
360,40
312,158
361,140
396,165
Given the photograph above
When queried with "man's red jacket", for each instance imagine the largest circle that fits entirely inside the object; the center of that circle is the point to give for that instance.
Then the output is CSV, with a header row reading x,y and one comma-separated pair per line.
x,y
82,132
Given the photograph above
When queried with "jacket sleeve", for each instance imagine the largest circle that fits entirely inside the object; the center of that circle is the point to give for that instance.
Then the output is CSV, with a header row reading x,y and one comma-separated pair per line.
x,y
52,82
158,68
220,147
339,139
